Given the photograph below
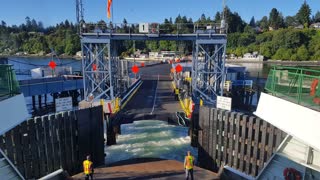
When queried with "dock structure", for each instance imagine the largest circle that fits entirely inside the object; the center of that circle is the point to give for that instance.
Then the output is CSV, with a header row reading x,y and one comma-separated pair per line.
x,y
43,86
99,44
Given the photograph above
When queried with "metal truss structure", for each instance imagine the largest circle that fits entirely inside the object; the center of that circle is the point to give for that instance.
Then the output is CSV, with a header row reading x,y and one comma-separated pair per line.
x,y
208,70
100,71
102,75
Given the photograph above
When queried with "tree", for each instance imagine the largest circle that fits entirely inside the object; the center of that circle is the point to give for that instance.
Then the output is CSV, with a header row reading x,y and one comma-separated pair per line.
x,y
283,54
252,22
28,23
235,23
263,23
275,19
317,17
291,21
302,53
3,24
303,15
34,25
217,17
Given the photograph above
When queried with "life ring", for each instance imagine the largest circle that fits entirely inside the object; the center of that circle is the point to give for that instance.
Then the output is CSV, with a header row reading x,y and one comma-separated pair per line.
x,y
291,172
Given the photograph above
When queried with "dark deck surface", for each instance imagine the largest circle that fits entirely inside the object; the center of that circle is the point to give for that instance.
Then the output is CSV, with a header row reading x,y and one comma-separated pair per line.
x,y
147,169
155,98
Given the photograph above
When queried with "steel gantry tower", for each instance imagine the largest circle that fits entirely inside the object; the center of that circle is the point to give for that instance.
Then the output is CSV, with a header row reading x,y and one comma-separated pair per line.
x,y
101,73
208,69
99,65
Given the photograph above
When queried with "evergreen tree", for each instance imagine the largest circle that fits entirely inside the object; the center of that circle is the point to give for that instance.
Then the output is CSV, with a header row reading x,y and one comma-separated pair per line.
x,y
275,19
263,23
291,21
317,17
303,16
217,17
252,22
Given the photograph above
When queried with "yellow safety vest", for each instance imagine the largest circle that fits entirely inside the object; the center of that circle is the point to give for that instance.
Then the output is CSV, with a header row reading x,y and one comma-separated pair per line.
x,y
176,91
189,162
87,169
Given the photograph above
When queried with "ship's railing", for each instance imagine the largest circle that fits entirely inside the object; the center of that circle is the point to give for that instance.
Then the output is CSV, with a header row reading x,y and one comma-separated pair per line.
x,y
298,85
154,28
9,86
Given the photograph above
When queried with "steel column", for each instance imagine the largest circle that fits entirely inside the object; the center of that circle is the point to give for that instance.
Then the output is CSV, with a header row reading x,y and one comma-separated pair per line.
x,y
208,71
100,81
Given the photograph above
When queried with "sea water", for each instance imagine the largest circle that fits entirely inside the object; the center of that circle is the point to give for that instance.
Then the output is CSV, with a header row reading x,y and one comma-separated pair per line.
x,y
150,139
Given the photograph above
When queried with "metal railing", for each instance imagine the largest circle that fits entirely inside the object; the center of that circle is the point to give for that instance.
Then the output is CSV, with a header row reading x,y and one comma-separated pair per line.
x,y
298,85
154,28
9,86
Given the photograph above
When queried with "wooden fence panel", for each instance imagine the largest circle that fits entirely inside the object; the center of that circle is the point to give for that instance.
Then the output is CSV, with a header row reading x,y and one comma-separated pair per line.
x,y
248,156
231,139
225,136
40,146
240,141
220,137
243,125
236,144
262,145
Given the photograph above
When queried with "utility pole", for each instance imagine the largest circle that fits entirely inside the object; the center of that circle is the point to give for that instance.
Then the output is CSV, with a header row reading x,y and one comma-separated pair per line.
x,y
79,14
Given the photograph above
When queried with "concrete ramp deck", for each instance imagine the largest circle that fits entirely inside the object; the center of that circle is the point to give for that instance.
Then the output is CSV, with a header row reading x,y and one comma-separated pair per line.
x,y
147,169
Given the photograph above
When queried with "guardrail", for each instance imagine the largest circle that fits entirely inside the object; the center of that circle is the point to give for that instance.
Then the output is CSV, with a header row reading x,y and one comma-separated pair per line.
x,y
9,86
154,28
299,85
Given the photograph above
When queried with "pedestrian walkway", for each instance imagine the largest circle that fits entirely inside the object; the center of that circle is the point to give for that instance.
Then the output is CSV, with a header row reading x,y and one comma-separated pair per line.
x,y
147,169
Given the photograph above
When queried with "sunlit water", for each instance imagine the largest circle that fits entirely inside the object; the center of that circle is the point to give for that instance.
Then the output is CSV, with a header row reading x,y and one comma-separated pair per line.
x,y
150,139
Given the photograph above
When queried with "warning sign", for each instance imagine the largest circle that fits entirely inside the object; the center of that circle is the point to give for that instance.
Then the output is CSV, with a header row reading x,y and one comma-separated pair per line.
x,y
63,104
224,103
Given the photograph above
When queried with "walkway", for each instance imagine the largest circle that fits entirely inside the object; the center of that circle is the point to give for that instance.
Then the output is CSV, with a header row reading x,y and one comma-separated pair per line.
x,y
148,169
155,99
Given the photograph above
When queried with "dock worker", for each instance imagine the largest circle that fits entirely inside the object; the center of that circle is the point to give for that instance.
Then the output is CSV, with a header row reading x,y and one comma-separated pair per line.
x,y
88,168
188,165
176,94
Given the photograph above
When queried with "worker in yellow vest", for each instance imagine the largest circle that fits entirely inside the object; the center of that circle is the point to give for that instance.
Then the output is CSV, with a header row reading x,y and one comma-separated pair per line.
x,y
88,168
176,94
188,165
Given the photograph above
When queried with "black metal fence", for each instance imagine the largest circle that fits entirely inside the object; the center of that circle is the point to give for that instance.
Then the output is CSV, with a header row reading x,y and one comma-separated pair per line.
x,y
44,144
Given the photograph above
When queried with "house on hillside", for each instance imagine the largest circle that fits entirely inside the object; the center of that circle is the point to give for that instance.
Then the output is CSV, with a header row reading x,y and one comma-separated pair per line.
x,y
300,26
315,25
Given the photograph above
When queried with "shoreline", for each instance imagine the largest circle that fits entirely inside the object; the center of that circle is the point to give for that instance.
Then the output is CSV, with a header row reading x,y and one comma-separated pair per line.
x,y
269,61
37,56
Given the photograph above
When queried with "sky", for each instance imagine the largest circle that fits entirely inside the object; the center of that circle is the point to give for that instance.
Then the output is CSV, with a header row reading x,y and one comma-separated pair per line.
x,y
51,12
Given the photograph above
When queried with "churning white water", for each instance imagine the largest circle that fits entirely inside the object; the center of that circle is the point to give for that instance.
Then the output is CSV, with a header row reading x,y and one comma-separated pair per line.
x,y
150,139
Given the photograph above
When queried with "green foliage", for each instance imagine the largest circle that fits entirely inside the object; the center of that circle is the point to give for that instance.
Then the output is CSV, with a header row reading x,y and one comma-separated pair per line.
x,y
275,19
303,16
283,54
302,53
267,49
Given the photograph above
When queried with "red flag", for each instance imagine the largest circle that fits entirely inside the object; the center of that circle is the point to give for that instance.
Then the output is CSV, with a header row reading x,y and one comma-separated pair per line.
x,y
109,8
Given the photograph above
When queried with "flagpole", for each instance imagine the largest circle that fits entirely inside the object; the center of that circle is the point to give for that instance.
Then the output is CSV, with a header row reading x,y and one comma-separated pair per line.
x,y
112,10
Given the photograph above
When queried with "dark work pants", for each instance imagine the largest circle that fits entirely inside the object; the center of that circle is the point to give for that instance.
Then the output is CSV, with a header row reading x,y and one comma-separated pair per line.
x,y
189,172
89,176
